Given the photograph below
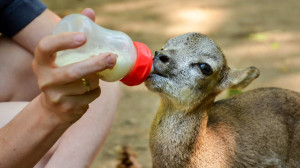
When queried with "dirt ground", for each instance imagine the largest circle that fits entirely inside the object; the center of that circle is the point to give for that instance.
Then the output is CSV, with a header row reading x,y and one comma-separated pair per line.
x,y
261,33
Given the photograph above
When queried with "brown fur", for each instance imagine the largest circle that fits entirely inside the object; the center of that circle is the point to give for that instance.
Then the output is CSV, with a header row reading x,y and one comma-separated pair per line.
x,y
259,128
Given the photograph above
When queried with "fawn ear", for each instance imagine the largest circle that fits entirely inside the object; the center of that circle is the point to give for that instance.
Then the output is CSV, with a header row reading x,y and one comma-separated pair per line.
x,y
239,78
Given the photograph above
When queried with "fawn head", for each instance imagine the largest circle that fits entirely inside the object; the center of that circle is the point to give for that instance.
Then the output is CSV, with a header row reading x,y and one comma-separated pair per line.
x,y
190,70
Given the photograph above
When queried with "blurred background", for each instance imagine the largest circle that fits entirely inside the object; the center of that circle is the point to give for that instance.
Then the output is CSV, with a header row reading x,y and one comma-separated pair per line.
x,y
261,33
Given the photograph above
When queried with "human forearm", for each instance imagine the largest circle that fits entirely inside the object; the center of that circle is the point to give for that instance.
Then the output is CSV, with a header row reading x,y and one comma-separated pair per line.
x,y
82,141
63,100
40,27
29,135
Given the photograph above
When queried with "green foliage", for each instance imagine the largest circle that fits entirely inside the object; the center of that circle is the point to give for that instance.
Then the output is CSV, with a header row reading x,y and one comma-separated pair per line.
x,y
259,36
233,92
275,45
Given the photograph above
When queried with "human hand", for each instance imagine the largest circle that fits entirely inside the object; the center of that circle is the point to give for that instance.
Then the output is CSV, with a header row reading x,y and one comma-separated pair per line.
x,y
63,91
90,13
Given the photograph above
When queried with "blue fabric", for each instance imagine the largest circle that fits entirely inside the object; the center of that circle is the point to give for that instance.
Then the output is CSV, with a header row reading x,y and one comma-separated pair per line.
x,y
16,14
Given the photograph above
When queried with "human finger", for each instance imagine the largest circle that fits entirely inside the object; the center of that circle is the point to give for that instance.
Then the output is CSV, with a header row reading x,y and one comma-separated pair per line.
x,y
68,107
76,71
82,103
48,46
89,13
84,99
81,86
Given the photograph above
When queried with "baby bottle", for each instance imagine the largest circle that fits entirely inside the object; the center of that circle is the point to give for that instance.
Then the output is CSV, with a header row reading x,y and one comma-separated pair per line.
x,y
134,61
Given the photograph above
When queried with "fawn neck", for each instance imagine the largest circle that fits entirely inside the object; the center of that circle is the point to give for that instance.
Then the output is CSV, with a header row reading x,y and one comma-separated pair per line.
x,y
174,135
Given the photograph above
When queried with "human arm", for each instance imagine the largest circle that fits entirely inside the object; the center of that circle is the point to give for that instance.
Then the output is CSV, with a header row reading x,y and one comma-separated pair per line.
x,y
97,120
82,141
63,101
41,26
26,138
23,23
26,21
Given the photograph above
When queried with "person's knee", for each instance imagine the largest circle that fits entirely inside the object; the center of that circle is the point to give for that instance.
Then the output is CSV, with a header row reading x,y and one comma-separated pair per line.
x,y
17,80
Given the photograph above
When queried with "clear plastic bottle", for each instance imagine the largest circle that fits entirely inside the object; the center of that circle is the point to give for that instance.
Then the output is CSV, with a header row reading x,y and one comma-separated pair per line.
x,y
134,61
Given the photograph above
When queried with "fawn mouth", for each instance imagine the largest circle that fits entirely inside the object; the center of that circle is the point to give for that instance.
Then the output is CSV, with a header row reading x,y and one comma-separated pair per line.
x,y
157,72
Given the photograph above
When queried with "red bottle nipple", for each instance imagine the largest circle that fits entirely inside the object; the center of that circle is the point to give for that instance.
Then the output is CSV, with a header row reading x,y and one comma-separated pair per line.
x,y
142,67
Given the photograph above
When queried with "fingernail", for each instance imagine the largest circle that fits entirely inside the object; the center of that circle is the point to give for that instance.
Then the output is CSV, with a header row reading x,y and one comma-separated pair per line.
x,y
79,38
111,60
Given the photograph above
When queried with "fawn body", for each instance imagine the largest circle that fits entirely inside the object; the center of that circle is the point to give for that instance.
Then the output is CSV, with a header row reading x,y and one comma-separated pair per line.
x,y
259,128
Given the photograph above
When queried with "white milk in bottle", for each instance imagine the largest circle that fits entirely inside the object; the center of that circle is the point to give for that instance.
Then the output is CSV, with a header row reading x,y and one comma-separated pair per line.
x,y
134,60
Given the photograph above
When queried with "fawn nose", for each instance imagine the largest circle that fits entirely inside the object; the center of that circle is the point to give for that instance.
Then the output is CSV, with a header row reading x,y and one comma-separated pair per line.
x,y
162,57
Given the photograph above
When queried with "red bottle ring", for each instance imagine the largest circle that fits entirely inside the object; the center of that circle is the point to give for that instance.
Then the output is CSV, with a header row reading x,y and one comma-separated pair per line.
x,y
142,67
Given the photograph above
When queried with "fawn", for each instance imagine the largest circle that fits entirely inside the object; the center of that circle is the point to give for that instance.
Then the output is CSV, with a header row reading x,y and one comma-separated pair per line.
x,y
258,128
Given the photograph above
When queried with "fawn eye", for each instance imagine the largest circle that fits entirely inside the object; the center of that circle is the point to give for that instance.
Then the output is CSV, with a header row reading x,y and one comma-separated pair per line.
x,y
205,68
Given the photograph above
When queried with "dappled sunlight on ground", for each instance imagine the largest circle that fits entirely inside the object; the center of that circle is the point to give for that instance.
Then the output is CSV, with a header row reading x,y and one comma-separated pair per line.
x,y
125,6
268,44
201,20
275,53
160,18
